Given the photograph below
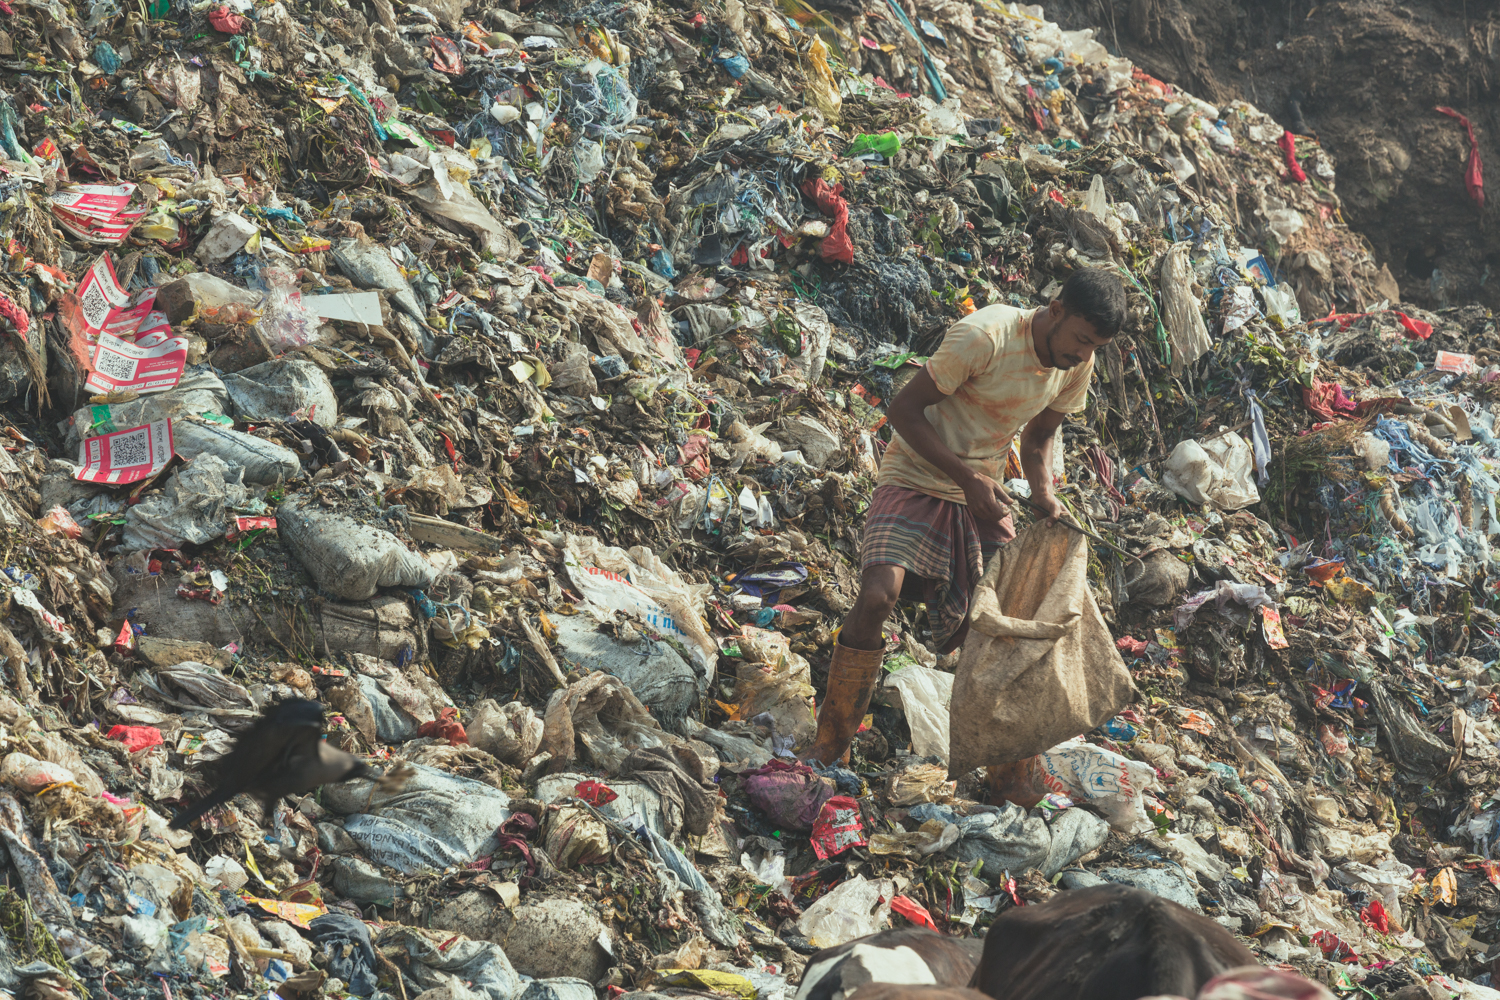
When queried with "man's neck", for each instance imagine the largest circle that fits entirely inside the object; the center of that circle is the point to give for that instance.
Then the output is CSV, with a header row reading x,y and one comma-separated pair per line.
x,y
1041,326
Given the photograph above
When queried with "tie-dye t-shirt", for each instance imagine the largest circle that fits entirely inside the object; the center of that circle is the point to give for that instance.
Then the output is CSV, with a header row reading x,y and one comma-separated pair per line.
x,y
995,384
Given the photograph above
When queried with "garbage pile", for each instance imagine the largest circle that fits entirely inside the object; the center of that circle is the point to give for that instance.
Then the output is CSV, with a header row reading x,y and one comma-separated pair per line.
x,y
512,380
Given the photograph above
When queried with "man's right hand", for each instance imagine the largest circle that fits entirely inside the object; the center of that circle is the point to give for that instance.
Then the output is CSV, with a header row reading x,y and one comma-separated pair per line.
x,y
987,499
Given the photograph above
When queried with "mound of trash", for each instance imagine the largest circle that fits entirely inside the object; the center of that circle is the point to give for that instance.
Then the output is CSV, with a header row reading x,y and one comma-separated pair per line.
x,y
512,381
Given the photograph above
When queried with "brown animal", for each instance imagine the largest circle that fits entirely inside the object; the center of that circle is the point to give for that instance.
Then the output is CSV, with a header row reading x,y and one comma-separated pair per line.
x,y
910,956
898,991
1109,942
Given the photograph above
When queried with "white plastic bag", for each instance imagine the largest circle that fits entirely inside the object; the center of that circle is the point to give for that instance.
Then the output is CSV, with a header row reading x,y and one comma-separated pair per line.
x,y
853,909
511,732
924,698
284,320
1112,783
32,775
639,583
1096,201
1219,471
1281,305
1284,223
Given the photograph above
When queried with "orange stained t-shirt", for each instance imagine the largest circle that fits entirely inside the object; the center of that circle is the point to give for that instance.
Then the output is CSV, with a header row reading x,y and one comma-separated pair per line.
x,y
995,384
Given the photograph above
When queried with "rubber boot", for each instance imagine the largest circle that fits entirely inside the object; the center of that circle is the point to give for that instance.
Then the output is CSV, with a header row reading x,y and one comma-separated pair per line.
x,y
852,677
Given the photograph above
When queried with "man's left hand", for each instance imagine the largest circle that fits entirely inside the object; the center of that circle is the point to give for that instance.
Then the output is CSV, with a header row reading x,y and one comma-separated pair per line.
x,y
1049,507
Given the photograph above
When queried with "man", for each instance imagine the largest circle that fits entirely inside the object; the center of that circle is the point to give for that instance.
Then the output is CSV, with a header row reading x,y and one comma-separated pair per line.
x,y
939,511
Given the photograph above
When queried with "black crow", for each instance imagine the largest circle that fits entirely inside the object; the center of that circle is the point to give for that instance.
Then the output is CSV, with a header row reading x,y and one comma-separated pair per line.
x,y
283,753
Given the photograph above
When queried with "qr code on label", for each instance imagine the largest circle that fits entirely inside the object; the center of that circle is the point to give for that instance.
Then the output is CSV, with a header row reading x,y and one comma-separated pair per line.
x,y
94,305
116,366
127,450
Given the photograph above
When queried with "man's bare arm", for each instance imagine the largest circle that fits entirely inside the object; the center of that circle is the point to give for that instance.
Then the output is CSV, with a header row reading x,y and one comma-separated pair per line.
x,y
986,498
1036,460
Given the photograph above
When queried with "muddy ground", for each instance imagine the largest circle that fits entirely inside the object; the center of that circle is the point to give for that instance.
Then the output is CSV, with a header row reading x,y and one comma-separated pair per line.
x,y
1372,74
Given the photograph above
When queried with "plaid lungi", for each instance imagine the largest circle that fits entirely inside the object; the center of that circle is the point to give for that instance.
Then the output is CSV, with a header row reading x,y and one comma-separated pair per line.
x,y
939,542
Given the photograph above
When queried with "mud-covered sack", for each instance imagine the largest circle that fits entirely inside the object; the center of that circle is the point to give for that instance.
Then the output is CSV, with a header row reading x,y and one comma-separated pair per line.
x,y
1039,665
436,820
346,557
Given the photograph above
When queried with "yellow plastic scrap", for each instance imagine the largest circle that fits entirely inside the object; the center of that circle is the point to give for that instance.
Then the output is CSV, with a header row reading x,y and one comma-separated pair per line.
x,y
301,914
822,89
718,982
1350,591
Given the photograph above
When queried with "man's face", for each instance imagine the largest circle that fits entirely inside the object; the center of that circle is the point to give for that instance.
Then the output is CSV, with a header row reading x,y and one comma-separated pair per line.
x,y
1073,340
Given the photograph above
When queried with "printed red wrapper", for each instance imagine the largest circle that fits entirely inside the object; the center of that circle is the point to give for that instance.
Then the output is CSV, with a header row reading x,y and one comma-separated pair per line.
x,y
1271,623
125,641
1335,743
913,911
126,456
837,828
1459,364
243,525
136,738
1196,721
595,793
124,341
98,213
119,364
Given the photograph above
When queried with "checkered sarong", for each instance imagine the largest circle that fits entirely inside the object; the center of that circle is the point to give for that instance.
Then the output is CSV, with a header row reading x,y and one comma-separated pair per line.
x,y
938,541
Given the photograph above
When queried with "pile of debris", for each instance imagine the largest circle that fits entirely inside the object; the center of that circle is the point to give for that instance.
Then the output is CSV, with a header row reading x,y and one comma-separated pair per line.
x,y
513,383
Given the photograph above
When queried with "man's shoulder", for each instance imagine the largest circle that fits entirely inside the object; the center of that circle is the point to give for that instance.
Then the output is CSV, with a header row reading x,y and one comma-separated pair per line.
x,y
999,322
998,316
995,326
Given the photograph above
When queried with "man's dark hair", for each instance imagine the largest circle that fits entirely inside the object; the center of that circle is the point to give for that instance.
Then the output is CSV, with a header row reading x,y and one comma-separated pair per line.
x,y
1097,296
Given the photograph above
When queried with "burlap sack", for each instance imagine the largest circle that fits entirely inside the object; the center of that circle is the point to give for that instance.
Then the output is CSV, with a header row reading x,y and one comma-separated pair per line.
x,y
1039,665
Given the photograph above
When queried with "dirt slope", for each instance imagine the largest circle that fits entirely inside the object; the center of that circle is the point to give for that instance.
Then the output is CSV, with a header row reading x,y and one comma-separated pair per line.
x,y
1373,73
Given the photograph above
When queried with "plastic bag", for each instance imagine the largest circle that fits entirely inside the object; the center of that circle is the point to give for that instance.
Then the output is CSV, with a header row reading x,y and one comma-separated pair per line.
x,y
194,507
1095,201
574,836
1219,471
511,732
924,698
822,89
773,680
265,463
1281,305
284,320
436,821
282,390
920,783
1009,838
789,793
347,558
1284,223
1113,784
852,909
31,775
637,582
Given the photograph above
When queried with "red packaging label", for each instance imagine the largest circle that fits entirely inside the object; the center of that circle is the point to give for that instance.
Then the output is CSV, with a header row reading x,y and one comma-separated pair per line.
x,y
837,828
1460,364
126,456
595,793
119,364
98,213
